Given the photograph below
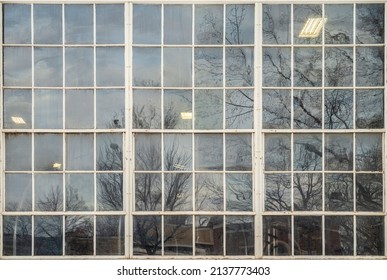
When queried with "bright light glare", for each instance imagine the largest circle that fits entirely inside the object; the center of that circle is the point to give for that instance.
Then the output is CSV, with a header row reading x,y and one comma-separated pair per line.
x,y
18,120
186,115
57,165
312,27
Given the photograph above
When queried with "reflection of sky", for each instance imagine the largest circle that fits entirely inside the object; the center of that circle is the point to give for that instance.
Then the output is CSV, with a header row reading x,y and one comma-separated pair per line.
x,y
17,66
80,155
48,66
79,24
147,24
48,150
45,186
209,109
209,24
147,66
181,144
208,67
18,146
177,67
110,22
110,67
110,108
84,185
245,27
17,103
18,192
79,109
177,102
48,108
177,24
209,152
79,66
48,24
17,23
209,192
148,114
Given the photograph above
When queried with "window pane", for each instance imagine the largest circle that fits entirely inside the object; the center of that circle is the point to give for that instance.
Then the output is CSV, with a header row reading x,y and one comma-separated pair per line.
x,y
276,24
208,152
110,108
239,192
277,152
209,192
208,24
239,24
177,191
338,67
338,109
208,67
277,233
109,151
48,108
278,192
79,24
307,235
48,237
48,67
110,192
338,192
276,109
79,109
239,108
17,24
147,24
339,26
148,192
147,235
369,152
48,192
369,192
178,235
18,146
338,235
17,108
110,66
79,235
369,66
79,192
80,152
177,109
239,67
79,67
370,108
48,152
370,23
238,152
146,114
301,15
18,192
208,109
178,152
338,152
370,235
239,235
307,67
307,193
17,66
147,67
276,67
209,235
148,152
17,235
307,106
47,24
307,152
177,67
110,23
177,24
110,235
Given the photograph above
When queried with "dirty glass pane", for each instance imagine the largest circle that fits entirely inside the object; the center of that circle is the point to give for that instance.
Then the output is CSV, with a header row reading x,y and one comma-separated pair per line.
x,y
110,235
48,239
79,235
276,24
48,192
209,192
147,235
307,192
278,192
239,192
307,235
208,24
339,235
147,24
277,236
148,192
239,235
209,235
17,235
79,192
48,152
338,109
338,192
18,192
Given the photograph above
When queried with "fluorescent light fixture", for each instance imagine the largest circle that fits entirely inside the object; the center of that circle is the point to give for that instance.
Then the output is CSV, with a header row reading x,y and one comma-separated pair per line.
x,y
57,165
179,166
312,27
186,115
18,120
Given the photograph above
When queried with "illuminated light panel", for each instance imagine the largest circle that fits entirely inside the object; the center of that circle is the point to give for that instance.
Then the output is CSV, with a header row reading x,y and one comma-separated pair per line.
x,y
312,27
18,120
186,115
56,165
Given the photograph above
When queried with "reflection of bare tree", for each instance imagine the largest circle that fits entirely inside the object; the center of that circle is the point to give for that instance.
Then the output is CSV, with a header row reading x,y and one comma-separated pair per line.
x,y
307,192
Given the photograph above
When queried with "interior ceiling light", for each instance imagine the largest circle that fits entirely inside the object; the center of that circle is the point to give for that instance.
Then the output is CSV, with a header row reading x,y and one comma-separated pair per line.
x,y
18,120
56,165
312,27
186,115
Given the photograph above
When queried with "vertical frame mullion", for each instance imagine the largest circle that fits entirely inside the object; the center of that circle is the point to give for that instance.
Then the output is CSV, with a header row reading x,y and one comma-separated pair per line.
x,y
2,153
384,158
292,122
323,127
354,127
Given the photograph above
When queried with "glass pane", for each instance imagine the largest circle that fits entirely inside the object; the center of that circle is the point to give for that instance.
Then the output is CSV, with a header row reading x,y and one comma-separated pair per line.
x,y
177,109
48,67
47,24
209,109
177,191
18,146
302,13
370,108
17,235
238,152
146,114
276,109
338,192
370,235
17,66
277,192
276,24
48,152
369,66
209,192
48,238
110,66
48,108
147,24
338,109
338,67
109,192
239,192
79,108
110,108
177,67
277,152
110,237
209,152
209,235
369,23
339,26
339,152
178,235
17,108
79,152
178,152
239,235
110,24
307,194
276,67
79,192
208,67
307,152
147,67
369,152
109,151
79,235
79,24
277,236
307,67
147,235
79,67
338,235
48,192
148,192
18,192
148,152
239,24
208,24
239,67
369,192
17,24
239,108
177,24
307,235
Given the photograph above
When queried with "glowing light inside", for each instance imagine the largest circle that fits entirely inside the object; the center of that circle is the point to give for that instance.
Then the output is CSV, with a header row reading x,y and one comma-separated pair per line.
x,y
186,115
18,120
312,27
57,165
